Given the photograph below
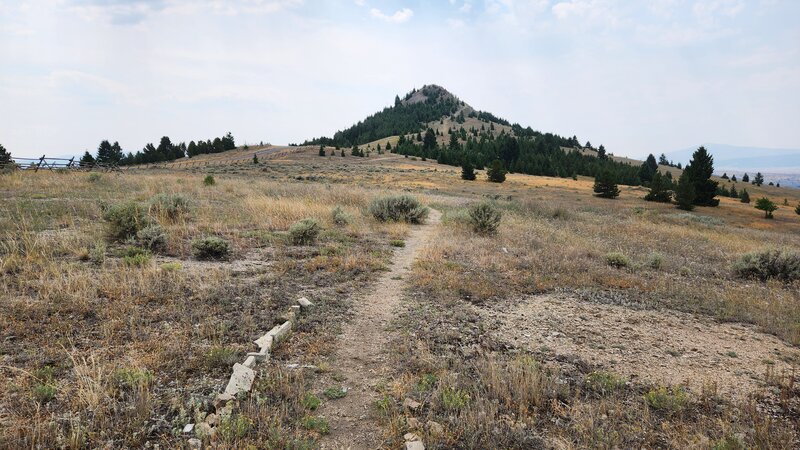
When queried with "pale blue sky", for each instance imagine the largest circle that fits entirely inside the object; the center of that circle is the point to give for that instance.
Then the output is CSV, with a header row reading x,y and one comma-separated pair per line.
x,y
637,76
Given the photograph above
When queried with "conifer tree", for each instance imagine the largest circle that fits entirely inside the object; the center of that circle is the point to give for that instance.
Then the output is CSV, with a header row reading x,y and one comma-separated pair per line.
x,y
87,160
321,150
734,193
759,179
684,192
605,185
255,158
797,209
601,151
766,205
744,197
467,171
659,189
5,157
496,172
699,171
745,178
733,178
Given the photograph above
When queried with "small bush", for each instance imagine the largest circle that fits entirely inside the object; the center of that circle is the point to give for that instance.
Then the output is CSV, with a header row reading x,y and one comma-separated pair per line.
x,y
769,264
667,400
334,393
124,220
152,238
604,383
454,399
485,218
94,177
397,243
655,261
340,216
311,401
132,378
209,180
97,255
618,260
135,256
234,427
221,357
171,267
170,206
211,248
44,392
399,208
317,424
304,232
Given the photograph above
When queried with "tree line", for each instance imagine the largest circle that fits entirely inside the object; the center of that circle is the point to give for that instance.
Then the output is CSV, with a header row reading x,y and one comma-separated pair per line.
x,y
109,154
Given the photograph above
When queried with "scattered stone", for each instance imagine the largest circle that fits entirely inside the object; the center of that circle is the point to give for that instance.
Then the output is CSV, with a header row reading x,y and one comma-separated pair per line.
x,y
435,428
259,357
265,341
195,443
505,250
411,437
413,423
279,332
411,403
415,445
212,419
250,361
304,303
241,379
188,428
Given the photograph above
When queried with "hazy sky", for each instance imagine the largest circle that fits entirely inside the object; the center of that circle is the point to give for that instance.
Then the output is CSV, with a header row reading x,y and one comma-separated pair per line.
x,y
637,76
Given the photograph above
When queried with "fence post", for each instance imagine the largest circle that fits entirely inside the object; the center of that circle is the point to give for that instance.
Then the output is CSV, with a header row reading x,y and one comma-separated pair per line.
x,y
40,164
69,165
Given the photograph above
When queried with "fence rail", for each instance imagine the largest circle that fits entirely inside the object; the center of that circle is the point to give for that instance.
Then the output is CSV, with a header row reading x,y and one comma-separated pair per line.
x,y
47,163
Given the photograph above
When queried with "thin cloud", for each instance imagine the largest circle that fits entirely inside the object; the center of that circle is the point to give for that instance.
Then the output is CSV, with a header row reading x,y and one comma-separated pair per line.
x,y
400,16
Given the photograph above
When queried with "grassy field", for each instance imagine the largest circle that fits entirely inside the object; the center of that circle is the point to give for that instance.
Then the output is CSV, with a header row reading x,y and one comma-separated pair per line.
x,y
101,345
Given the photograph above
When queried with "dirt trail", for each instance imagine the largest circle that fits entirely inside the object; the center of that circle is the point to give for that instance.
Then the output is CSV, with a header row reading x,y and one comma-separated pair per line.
x,y
362,357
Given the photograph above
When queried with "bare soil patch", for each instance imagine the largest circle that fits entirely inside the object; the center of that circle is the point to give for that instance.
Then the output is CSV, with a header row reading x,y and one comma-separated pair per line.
x,y
648,346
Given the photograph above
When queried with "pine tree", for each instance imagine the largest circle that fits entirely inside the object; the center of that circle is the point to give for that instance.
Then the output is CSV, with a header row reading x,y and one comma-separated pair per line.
x,y
429,142
766,205
5,157
724,176
389,145
662,160
255,158
321,150
659,189
733,178
601,151
605,185
104,153
699,170
797,209
496,172
467,171
87,160
759,179
684,192
342,153
354,151
734,193
744,197
745,178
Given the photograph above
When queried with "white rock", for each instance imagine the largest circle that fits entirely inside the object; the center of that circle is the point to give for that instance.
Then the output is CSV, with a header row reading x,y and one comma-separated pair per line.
x,y
304,303
265,341
415,445
241,379
435,428
188,428
411,403
250,361
280,332
195,443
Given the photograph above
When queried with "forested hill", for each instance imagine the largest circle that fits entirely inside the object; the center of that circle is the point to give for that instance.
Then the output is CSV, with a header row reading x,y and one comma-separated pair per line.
x,y
432,123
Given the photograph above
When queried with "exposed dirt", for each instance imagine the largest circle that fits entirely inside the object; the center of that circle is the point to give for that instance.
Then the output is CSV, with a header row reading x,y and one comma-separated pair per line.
x,y
362,357
666,347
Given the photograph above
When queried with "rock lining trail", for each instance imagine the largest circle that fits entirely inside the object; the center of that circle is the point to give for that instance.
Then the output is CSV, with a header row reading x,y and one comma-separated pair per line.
x,y
362,355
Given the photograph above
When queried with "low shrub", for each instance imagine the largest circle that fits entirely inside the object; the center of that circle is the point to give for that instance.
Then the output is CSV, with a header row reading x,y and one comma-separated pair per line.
x,y
311,401
170,206
604,383
211,248
124,220
454,399
340,216
221,357
209,180
769,264
397,243
398,208
317,424
667,400
152,237
234,427
655,261
335,392
618,260
485,218
304,232
135,256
